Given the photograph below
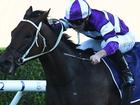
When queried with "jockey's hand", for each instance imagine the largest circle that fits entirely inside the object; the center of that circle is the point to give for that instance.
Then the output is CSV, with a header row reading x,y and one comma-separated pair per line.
x,y
96,58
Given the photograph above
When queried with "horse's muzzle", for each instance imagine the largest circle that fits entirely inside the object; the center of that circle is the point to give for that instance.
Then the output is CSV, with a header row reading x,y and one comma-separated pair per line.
x,y
7,64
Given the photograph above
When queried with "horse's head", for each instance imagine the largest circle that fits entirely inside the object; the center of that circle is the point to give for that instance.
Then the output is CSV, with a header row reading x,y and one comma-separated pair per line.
x,y
28,41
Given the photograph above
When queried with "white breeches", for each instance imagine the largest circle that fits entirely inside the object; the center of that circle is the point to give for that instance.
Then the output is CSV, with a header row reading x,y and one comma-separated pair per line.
x,y
126,43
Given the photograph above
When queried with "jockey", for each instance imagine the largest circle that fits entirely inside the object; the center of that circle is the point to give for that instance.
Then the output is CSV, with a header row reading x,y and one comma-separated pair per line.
x,y
115,36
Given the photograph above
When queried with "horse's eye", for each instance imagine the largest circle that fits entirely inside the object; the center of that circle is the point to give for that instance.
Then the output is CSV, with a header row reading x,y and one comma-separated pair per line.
x,y
28,36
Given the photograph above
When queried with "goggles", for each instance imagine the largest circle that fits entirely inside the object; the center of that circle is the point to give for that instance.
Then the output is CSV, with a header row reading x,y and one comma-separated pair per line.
x,y
77,22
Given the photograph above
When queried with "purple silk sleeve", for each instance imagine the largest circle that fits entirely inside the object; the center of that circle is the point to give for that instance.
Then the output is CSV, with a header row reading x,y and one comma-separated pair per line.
x,y
111,47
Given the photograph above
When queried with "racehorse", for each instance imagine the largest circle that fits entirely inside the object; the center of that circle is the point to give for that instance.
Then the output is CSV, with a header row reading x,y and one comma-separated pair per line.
x,y
71,79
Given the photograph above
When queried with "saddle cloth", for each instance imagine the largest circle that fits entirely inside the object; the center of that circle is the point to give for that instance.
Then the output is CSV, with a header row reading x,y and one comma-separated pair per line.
x,y
133,59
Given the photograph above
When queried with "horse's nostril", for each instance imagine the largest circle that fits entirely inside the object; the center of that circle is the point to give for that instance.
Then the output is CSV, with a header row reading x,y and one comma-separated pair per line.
x,y
5,65
8,63
20,61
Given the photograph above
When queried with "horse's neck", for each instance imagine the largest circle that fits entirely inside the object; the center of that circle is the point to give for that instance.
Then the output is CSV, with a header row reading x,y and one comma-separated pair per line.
x,y
56,60
58,67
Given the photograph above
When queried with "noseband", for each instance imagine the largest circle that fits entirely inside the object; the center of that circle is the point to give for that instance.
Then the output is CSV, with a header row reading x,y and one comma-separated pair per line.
x,y
24,57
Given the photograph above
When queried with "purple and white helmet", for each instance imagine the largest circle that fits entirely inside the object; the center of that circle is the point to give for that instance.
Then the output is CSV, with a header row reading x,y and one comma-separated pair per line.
x,y
77,9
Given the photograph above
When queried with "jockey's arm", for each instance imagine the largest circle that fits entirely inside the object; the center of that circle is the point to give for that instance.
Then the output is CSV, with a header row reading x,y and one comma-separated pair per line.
x,y
65,23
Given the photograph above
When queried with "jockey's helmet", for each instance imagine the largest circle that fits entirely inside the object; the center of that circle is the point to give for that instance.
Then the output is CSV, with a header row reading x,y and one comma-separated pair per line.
x,y
77,10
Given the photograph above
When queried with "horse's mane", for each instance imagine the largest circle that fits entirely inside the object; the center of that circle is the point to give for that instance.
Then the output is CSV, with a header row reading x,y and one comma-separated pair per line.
x,y
67,41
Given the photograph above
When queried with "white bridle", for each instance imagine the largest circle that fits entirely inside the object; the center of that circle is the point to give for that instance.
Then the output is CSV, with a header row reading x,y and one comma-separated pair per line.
x,y
24,58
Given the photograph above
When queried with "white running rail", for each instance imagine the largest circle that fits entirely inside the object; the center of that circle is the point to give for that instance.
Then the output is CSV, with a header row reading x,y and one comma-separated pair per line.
x,y
22,85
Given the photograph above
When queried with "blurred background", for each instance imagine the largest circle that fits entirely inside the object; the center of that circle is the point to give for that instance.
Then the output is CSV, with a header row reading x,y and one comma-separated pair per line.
x,y
12,11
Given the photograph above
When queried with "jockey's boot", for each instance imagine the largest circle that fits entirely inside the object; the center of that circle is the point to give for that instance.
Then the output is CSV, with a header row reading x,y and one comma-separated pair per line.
x,y
119,61
127,77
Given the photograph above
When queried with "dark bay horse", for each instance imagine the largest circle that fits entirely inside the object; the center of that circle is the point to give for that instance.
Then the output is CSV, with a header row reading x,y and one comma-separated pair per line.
x,y
70,81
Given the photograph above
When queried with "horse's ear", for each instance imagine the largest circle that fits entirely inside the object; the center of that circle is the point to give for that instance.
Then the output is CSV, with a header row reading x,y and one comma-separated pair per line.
x,y
48,12
44,16
28,12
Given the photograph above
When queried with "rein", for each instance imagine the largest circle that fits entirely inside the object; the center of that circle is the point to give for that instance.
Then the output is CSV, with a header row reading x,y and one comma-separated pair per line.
x,y
24,58
80,58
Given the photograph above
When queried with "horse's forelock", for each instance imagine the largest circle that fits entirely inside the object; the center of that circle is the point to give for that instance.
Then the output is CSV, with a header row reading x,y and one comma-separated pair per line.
x,y
40,16
36,14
